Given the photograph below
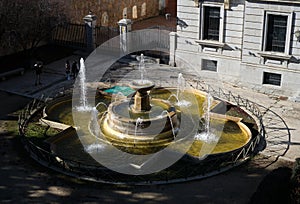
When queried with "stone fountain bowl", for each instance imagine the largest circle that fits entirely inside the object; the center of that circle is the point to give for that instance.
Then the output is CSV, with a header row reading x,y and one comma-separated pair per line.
x,y
131,130
141,85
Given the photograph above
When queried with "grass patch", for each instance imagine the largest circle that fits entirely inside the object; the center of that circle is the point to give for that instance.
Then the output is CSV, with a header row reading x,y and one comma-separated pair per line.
x,y
37,133
12,127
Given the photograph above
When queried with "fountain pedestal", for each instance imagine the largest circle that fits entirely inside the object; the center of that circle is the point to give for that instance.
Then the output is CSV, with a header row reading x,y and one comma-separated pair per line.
x,y
141,102
141,98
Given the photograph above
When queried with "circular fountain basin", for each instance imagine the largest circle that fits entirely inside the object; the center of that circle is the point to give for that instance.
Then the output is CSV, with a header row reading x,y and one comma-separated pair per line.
x,y
175,120
234,136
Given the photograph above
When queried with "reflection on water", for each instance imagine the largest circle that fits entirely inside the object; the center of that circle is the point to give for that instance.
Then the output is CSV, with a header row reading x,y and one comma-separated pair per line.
x,y
227,135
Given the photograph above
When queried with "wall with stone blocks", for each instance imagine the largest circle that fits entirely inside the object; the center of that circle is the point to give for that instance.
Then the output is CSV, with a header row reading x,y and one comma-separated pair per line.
x,y
109,12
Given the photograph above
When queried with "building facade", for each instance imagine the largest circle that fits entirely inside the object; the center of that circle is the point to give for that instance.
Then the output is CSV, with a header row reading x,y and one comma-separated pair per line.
x,y
109,12
251,43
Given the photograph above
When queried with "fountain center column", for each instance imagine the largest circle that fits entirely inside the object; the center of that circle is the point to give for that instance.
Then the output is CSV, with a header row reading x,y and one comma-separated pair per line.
x,y
141,101
141,98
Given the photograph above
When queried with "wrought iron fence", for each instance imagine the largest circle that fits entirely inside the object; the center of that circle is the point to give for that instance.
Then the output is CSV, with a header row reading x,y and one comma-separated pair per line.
x,y
74,35
71,35
179,172
103,34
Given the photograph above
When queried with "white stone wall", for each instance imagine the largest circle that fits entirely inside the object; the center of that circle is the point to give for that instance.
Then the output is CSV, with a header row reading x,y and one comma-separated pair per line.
x,y
254,65
189,53
239,61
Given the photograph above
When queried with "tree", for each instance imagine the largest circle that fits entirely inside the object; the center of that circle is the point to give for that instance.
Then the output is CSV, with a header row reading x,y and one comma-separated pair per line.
x,y
24,24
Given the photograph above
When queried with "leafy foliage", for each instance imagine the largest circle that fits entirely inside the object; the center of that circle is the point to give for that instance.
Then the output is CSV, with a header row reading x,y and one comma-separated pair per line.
x,y
24,24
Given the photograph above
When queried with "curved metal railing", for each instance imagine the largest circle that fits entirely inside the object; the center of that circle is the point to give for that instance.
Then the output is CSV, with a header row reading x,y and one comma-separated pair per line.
x,y
177,173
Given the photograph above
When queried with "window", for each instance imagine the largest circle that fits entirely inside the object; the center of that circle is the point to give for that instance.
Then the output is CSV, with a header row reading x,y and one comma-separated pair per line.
x,y
272,78
210,65
211,26
276,33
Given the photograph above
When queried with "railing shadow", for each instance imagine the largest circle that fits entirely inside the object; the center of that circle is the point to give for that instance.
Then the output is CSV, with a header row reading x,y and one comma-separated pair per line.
x,y
271,133
277,135
277,132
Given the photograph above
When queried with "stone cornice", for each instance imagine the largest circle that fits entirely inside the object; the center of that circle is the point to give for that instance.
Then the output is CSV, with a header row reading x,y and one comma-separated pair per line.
x,y
278,1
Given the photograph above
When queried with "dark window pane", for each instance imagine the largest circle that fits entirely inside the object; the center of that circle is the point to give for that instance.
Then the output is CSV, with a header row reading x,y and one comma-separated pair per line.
x,y
271,78
211,23
276,33
209,65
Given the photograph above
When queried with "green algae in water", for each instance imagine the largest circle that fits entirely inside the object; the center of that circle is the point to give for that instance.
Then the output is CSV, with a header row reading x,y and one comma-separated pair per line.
x,y
125,90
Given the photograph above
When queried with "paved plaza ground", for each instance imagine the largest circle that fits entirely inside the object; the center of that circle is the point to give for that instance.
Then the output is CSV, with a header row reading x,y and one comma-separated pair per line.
x,y
23,180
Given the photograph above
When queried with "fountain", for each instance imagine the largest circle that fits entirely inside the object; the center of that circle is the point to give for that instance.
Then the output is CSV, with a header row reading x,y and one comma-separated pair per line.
x,y
142,67
126,124
82,80
147,122
207,136
180,84
94,122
